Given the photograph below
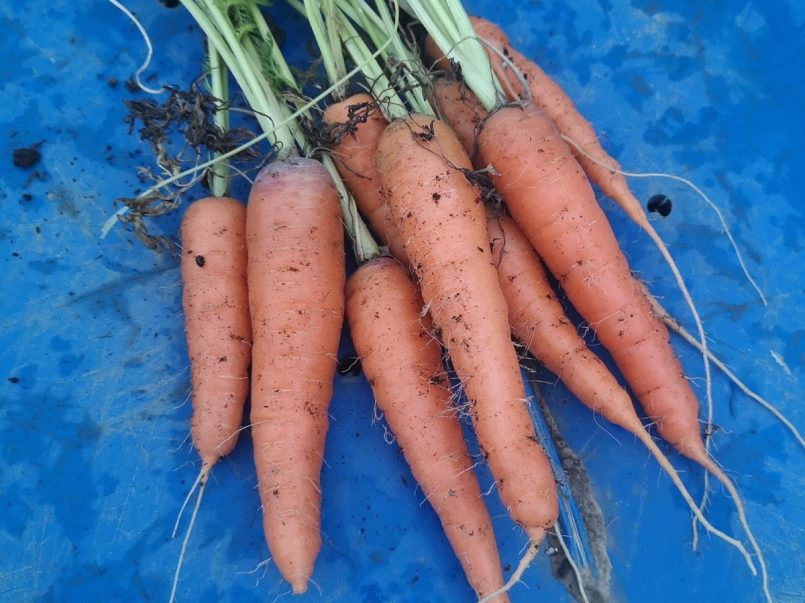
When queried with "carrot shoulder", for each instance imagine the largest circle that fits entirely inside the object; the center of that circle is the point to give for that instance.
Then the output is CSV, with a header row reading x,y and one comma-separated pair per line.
x,y
402,361
546,94
296,285
442,222
217,326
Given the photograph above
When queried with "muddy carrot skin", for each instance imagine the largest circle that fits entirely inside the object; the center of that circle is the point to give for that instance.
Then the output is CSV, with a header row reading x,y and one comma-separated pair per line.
x,y
546,94
552,201
459,107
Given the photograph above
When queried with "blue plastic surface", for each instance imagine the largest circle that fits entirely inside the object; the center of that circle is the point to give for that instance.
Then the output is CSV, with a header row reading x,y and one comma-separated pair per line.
x,y
94,457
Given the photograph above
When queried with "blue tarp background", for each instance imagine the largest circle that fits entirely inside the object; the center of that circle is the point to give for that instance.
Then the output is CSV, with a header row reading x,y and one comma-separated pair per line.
x,y
94,460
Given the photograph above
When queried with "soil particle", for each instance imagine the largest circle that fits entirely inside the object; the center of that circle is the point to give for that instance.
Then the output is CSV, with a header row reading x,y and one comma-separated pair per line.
x,y
25,157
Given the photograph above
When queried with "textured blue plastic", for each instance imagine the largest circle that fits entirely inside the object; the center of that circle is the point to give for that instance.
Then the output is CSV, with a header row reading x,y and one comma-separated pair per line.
x,y
94,454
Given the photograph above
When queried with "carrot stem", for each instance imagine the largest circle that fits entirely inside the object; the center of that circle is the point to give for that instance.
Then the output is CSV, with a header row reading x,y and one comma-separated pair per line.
x,y
219,177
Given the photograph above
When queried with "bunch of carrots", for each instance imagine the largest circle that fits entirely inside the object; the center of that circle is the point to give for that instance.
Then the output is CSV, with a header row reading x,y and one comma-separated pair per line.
x,y
475,177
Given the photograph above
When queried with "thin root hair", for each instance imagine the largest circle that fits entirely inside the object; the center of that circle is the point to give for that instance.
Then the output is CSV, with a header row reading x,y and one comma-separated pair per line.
x,y
696,189
522,566
573,565
149,48
186,539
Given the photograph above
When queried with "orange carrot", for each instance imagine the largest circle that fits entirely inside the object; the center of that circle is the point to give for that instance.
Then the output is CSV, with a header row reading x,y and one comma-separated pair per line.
x,y
522,78
443,227
539,322
356,124
296,294
218,333
217,327
552,201
402,361
459,107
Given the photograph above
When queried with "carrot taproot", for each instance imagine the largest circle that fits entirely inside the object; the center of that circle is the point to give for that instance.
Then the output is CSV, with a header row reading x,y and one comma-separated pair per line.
x,y
217,326
441,219
558,346
356,124
601,168
218,334
402,361
296,294
550,198
539,322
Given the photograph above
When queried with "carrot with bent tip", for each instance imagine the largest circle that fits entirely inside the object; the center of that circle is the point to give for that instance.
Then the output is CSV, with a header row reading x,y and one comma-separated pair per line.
x,y
441,219
402,362
296,294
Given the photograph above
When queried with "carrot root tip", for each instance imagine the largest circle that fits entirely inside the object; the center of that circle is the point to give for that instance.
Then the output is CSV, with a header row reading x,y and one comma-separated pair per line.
x,y
299,585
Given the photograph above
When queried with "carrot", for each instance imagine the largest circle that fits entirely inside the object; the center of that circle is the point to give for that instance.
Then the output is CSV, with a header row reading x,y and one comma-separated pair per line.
x,y
549,197
460,108
296,284
438,212
218,332
549,96
217,326
539,322
356,124
402,362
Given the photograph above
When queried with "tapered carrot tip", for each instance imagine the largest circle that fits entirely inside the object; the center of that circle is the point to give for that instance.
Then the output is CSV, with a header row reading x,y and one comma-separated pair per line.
x,y
299,585
536,534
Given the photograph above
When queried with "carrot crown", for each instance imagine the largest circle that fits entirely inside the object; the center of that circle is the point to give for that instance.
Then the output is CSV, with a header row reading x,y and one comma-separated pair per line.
x,y
239,33
448,24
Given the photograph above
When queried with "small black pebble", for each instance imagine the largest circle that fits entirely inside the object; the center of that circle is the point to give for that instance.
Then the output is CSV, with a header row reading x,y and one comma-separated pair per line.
x,y
169,3
200,261
349,365
660,204
27,196
14,379
25,157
